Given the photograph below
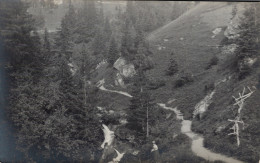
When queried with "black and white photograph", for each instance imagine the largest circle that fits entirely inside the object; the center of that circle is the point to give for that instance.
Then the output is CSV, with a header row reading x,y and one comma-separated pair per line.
x,y
109,81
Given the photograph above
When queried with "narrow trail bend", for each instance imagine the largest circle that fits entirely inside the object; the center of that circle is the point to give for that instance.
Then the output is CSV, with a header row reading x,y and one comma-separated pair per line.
x,y
197,146
197,140
100,85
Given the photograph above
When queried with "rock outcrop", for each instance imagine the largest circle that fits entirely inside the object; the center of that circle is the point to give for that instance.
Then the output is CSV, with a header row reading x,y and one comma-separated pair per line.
x,y
124,68
119,80
202,106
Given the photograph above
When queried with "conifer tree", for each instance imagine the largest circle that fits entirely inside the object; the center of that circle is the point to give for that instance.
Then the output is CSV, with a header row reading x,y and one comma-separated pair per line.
x,y
130,11
46,103
100,15
65,36
142,59
141,105
22,48
248,39
172,68
127,42
113,52
234,11
86,65
86,26
46,43
107,29
99,42
18,41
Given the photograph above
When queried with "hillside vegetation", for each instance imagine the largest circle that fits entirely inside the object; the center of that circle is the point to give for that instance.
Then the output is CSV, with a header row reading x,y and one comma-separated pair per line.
x,y
126,69
189,41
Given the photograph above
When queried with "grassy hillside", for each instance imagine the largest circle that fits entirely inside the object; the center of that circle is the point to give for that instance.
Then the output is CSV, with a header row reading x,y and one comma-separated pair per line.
x,y
189,41
216,127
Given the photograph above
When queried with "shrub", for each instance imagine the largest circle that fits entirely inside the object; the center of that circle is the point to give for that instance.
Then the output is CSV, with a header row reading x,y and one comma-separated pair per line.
x,y
155,84
173,68
209,87
213,61
111,119
185,79
181,139
225,40
243,70
179,83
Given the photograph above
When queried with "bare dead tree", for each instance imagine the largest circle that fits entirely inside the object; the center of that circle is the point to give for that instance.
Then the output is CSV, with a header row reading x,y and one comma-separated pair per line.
x,y
240,102
235,129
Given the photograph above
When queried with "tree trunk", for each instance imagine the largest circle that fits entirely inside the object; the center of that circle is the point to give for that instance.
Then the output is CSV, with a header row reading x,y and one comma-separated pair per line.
x,y
147,124
237,133
85,92
256,24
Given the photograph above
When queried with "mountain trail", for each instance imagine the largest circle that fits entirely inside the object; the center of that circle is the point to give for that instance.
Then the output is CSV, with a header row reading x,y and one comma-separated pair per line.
x,y
197,146
101,83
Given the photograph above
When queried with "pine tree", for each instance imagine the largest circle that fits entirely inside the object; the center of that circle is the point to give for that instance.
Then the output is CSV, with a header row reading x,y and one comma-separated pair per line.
x,y
248,40
141,105
127,42
99,42
25,59
46,43
141,57
139,39
107,29
100,15
70,105
130,11
65,36
113,52
86,66
16,32
234,11
86,26
64,42
46,103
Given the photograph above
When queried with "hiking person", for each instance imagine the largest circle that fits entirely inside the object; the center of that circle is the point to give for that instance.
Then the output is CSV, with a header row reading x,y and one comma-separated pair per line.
x,y
155,153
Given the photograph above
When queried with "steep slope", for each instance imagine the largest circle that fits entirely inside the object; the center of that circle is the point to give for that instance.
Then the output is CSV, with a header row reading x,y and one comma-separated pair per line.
x,y
190,36
189,41
192,40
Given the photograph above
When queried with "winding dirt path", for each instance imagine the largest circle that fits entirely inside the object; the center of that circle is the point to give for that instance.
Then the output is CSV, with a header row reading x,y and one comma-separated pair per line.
x,y
197,140
119,92
197,146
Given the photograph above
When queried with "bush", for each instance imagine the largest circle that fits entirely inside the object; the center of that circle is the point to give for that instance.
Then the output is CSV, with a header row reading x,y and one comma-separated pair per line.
x,y
213,61
209,87
225,40
185,79
181,139
243,70
173,68
111,119
155,84
128,157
